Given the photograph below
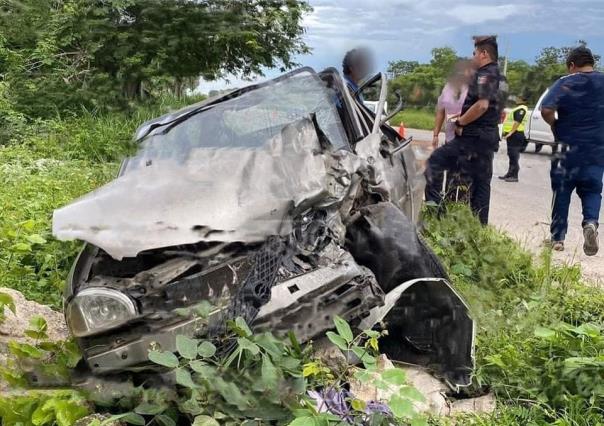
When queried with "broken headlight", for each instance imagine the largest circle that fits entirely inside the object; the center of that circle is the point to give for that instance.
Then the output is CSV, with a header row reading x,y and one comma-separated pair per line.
x,y
95,310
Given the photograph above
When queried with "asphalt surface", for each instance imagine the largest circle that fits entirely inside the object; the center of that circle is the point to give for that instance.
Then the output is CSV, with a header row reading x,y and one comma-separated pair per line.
x,y
523,209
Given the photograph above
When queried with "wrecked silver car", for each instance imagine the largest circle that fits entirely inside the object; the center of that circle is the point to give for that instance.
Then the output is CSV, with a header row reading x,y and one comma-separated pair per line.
x,y
286,203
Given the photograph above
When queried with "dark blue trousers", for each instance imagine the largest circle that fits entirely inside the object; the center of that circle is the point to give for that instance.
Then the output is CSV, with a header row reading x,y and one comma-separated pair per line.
x,y
476,166
587,181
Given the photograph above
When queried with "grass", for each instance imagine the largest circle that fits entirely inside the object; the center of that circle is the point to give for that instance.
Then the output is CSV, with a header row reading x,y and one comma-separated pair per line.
x,y
31,261
54,163
415,118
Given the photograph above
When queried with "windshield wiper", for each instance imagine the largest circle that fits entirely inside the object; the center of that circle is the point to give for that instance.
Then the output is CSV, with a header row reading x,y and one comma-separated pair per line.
x,y
173,122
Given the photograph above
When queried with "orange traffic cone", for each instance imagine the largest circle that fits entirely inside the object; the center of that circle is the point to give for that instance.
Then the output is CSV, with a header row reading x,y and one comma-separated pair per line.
x,y
401,130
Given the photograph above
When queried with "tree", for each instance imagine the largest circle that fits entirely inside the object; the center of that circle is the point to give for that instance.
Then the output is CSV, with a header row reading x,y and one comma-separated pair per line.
x,y
420,85
104,51
550,65
517,76
399,68
443,60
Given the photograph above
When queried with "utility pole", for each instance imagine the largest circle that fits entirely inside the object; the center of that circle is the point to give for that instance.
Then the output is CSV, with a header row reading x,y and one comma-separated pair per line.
x,y
505,64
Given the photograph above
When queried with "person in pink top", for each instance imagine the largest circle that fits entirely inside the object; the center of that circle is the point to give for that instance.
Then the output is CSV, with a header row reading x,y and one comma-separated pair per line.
x,y
450,101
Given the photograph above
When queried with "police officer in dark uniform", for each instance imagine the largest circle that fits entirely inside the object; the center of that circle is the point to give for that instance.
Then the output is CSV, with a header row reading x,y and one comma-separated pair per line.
x,y
477,133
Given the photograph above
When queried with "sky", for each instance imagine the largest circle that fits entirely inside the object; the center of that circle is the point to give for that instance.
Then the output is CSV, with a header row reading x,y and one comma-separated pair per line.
x,y
409,29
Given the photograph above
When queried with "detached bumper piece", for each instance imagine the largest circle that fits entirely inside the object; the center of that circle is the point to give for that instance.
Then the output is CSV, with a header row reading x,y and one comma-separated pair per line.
x,y
429,325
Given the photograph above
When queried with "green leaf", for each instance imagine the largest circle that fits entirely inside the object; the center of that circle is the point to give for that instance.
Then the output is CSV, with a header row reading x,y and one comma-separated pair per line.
x,y
290,364
248,345
294,342
337,340
410,392
164,420
24,350
395,376
401,408
183,378
166,359
373,343
130,418
302,412
134,419
191,406
187,347
372,333
304,421
363,376
43,415
68,412
241,328
364,355
268,373
205,421
72,353
311,369
206,371
206,349
204,309
49,346
495,360
22,247
545,333
7,301
232,393
28,225
343,329
270,344
149,409
35,239
358,405
37,328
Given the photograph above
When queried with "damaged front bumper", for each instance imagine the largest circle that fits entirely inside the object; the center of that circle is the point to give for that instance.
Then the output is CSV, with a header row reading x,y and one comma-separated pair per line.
x,y
305,304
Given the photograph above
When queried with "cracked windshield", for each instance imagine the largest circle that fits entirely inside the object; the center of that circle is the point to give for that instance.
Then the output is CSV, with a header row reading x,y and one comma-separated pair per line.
x,y
301,213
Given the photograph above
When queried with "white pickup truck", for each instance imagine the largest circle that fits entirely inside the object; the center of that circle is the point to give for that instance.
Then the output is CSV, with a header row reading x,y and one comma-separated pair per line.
x,y
537,131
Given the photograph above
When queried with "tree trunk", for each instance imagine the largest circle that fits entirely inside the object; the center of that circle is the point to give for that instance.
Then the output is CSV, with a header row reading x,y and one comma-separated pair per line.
x,y
178,87
132,89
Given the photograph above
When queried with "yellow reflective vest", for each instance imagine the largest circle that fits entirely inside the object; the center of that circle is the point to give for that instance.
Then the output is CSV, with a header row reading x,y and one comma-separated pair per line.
x,y
509,119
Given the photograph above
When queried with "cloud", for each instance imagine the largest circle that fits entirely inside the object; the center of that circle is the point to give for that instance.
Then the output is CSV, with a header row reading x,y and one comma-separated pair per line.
x,y
409,29
471,14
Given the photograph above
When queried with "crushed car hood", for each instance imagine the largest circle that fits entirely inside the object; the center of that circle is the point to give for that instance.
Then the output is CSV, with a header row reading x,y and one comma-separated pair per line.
x,y
217,194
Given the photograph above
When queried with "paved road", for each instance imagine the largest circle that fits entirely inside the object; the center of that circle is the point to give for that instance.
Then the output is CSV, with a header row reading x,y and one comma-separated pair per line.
x,y
523,209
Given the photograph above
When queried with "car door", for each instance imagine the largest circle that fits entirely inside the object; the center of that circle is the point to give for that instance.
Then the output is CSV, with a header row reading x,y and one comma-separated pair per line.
x,y
539,130
394,158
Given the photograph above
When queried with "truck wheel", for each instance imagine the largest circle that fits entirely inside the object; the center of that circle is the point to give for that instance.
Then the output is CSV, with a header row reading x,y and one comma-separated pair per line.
x,y
538,147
